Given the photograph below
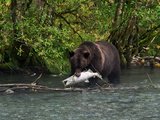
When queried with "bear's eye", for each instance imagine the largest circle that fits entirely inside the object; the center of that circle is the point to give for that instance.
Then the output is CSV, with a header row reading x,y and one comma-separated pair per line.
x,y
71,54
86,55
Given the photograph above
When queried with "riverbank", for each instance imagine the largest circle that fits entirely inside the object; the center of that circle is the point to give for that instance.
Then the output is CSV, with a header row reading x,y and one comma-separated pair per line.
x,y
147,61
27,70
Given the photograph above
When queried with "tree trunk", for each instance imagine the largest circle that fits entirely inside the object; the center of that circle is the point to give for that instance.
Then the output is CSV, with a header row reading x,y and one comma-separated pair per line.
x,y
118,14
124,33
14,17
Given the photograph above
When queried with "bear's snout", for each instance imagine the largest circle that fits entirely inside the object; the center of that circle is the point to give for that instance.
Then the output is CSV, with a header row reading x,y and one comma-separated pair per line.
x,y
77,73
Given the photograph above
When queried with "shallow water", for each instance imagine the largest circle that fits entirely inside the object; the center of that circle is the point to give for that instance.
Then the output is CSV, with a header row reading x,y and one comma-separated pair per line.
x,y
137,98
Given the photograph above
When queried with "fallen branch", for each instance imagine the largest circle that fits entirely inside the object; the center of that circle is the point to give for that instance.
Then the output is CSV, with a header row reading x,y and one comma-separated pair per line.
x,y
20,87
33,87
34,82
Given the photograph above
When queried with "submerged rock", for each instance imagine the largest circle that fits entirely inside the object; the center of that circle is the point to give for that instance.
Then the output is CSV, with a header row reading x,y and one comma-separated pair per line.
x,y
9,91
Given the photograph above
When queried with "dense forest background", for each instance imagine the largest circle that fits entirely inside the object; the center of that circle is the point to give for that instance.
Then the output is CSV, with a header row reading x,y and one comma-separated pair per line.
x,y
39,33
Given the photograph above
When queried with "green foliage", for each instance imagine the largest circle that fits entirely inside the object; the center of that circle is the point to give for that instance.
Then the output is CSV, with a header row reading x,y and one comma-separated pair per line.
x,y
40,33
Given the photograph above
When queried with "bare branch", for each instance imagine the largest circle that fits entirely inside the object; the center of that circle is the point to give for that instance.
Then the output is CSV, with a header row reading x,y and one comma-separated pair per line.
x,y
60,15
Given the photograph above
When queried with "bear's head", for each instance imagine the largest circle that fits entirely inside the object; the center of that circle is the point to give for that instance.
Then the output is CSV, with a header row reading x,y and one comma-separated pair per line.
x,y
79,60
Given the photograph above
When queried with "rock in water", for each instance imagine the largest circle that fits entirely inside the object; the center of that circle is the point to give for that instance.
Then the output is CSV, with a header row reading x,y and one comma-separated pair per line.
x,y
9,91
72,80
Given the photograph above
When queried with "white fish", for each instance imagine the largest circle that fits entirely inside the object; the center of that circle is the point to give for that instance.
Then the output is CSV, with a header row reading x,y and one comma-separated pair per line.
x,y
72,80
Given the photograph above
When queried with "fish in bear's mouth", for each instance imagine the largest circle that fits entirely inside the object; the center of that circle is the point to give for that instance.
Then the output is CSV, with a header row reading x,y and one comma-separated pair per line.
x,y
78,71
84,77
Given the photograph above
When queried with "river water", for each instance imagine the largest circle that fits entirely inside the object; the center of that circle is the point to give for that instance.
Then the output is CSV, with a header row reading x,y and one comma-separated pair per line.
x,y
137,98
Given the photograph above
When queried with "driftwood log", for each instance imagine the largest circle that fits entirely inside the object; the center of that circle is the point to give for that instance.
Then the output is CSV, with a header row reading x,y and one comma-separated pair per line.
x,y
11,88
20,87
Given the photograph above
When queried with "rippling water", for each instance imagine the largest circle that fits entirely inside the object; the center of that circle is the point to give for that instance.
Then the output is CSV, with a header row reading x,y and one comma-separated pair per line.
x,y
136,99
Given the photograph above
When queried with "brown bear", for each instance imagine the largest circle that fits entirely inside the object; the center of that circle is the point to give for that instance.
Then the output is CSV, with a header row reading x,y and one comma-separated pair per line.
x,y
100,56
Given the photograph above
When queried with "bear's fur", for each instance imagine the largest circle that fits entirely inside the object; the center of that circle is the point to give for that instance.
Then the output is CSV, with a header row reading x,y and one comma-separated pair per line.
x,y
100,56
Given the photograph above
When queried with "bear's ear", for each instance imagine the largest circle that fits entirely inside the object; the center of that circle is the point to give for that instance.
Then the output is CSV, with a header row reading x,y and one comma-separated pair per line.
x,y
86,54
71,54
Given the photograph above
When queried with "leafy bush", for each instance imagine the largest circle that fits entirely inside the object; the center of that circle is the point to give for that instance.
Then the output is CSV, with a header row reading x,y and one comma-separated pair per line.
x,y
40,33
